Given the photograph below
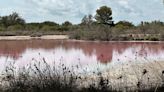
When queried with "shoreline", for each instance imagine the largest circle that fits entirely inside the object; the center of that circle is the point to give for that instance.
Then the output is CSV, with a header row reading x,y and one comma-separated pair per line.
x,y
112,41
62,37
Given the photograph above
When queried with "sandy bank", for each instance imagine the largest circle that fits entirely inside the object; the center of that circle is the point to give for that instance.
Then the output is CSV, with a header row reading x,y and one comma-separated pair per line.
x,y
29,37
130,75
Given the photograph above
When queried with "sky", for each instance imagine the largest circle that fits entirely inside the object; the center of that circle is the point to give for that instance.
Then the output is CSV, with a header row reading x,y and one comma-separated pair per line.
x,y
74,10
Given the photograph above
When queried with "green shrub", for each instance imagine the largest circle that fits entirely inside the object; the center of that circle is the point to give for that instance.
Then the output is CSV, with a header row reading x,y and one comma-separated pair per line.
x,y
153,38
49,28
64,28
32,27
15,27
2,28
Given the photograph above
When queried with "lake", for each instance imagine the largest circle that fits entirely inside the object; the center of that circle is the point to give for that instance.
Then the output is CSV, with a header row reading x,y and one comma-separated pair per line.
x,y
83,53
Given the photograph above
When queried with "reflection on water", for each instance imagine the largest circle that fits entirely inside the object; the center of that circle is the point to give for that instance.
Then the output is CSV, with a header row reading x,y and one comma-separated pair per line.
x,y
83,53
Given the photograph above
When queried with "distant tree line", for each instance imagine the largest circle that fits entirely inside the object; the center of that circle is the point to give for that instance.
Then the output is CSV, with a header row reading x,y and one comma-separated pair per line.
x,y
97,27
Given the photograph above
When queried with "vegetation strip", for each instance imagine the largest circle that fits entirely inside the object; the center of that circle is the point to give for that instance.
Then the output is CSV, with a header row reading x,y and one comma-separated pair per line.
x,y
98,27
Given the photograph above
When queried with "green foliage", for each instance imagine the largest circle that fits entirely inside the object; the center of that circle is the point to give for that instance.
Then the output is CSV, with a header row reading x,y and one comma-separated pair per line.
x,y
66,26
67,23
12,19
104,15
154,27
93,33
49,23
88,29
124,25
44,26
152,38
32,26
48,28
63,28
2,28
15,27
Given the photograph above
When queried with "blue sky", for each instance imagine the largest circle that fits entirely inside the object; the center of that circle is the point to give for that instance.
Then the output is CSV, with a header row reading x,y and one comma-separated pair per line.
x,y
74,10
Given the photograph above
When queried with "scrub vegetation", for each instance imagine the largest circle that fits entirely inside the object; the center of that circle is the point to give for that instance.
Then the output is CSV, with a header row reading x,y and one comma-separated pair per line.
x,y
92,27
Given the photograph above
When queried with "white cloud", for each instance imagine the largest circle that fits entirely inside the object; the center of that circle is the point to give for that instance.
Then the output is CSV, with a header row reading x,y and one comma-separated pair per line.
x,y
74,10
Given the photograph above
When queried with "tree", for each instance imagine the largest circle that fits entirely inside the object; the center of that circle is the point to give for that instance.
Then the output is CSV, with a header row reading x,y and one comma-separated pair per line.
x,y
124,24
87,20
66,26
12,19
49,23
67,23
153,27
104,15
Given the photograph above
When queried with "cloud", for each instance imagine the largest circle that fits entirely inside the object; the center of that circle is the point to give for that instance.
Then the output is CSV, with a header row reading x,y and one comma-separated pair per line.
x,y
69,8
74,10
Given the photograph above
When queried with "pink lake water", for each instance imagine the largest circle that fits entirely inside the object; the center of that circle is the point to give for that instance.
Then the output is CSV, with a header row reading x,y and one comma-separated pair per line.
x,y
84,53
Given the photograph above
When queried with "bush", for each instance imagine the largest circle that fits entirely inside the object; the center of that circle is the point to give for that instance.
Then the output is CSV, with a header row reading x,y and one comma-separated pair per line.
x,y
2,28
16,27
77,35
153,38
49,28
63,28
32,27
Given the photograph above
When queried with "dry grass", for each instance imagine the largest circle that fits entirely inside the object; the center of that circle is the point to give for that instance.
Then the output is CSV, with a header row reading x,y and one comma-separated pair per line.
x,y
41,77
